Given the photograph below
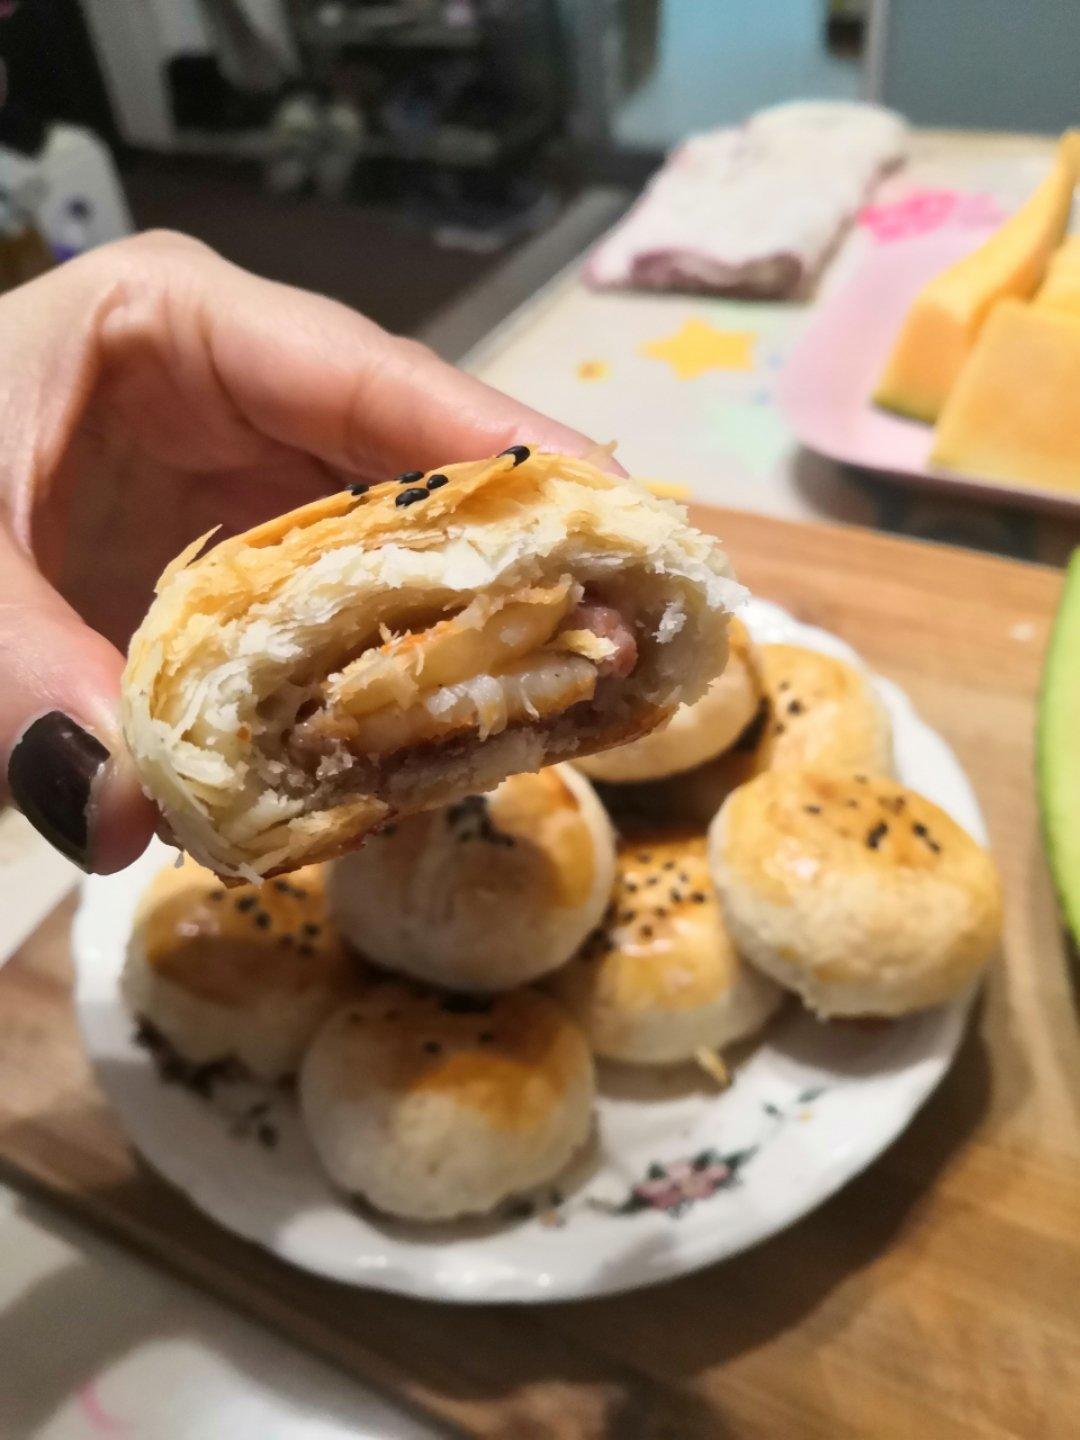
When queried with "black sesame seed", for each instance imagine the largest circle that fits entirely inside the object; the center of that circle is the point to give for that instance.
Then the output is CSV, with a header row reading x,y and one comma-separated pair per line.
x,y
660,912
812,809
360,488
436,482
631,886
676,897
410,497
281,886
217,895
432,1047
307,949
646,931
309,928
388,830
795,707
653,880
626,917
778,728
408,477
519,452
245,903
698,897
669,864
934,846
262,920
877,834
920,829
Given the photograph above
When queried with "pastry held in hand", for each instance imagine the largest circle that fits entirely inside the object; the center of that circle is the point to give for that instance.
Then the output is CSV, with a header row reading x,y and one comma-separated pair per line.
x,y
381,653
695,733
857,893
490,892
246,974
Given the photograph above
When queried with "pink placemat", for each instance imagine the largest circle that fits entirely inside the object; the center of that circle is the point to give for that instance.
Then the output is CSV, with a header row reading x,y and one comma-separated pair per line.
x,y
824,390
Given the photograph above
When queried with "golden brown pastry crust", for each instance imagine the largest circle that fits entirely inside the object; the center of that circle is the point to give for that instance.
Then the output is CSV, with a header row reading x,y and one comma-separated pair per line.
x,y
270,619
856,892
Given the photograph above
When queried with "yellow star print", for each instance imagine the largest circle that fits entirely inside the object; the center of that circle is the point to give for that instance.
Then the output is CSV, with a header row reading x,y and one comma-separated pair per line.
x,y
697,347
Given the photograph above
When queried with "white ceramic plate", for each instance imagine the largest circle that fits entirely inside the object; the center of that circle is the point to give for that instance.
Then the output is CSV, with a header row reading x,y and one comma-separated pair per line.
x,y
679,1175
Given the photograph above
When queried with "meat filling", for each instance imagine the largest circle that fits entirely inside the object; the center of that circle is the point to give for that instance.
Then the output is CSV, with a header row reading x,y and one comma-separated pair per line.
x,y
587,642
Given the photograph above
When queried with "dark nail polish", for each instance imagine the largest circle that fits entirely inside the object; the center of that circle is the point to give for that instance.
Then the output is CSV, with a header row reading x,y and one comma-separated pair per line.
x,y
51,772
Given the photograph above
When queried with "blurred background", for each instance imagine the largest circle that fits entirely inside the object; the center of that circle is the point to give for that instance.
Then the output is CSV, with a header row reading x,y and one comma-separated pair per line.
x,y
392,152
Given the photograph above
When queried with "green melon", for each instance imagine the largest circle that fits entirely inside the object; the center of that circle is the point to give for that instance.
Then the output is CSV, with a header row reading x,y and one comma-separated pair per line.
x,y
1059,748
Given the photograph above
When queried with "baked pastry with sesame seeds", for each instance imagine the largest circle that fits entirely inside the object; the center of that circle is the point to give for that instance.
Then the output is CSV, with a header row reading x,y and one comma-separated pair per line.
x,y
246,974
822,712
660,980
695,733
434,1106
490,892
857,893
817,711
396,647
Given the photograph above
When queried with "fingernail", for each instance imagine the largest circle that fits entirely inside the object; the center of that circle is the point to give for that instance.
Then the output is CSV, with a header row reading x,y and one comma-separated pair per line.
x,y
51,775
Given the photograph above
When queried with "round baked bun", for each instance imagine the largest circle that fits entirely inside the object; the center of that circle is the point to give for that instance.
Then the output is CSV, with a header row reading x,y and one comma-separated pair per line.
x,y
246,974
695,733
823,713
816,711
433,1106
485,894
853,891
660,980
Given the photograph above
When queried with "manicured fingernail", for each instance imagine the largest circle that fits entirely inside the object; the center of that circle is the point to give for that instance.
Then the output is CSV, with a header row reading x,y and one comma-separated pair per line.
x,y
51,775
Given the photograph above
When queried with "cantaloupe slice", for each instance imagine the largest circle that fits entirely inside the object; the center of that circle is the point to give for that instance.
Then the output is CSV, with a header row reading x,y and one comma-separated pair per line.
x,y
1058,754
1014,413
1061,288
946,315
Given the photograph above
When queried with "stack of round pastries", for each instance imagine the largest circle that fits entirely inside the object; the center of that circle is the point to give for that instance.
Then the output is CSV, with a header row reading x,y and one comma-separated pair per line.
x,y
442,994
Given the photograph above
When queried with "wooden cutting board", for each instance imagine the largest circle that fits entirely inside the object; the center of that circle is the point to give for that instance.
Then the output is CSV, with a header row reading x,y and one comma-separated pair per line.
x,y
938,1295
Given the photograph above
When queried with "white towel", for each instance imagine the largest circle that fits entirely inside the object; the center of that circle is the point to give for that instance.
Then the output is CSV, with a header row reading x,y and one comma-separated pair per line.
x,y
752,211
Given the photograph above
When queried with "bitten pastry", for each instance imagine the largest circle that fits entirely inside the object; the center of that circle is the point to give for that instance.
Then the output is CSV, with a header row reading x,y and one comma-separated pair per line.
x,y
695,733
484,894
435,1106
853,891
660,980
246,974
393,648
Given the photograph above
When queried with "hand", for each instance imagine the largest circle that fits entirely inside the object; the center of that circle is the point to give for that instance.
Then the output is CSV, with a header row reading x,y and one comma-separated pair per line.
x,y
151,391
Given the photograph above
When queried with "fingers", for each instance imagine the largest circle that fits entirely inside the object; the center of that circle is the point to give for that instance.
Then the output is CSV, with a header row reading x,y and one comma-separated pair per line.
x,y
67,767
314,375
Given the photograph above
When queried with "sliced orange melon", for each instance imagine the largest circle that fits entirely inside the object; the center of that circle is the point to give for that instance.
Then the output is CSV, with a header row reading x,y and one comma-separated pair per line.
x,y
1013,413
1061,288
946,315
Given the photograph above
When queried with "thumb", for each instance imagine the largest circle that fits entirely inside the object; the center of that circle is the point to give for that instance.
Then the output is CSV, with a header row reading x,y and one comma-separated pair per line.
x,y
67,767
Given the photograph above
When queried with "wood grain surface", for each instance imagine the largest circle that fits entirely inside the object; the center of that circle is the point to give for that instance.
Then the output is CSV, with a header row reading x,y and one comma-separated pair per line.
x,y
937,1296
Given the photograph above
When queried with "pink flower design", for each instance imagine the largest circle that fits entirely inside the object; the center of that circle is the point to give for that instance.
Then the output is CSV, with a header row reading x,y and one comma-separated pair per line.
x,y
922,211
